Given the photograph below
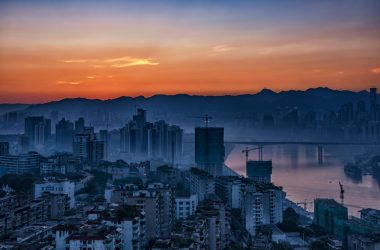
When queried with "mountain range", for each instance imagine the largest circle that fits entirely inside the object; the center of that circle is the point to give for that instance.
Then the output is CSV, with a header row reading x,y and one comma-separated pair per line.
x,y
321,98
175,108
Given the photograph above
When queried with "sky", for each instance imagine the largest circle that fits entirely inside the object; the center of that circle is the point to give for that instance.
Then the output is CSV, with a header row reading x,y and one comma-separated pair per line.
x,y
55,49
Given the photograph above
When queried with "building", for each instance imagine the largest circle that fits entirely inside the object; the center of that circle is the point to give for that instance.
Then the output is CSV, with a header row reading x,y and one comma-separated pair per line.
x,y
129,220
158,140
95,238
229,189
373,104
86,145
185,206
21,164
38,130
61,232
262,205
373,130
209,149
156,202
209,227
4,148
103,136
21,214
201,183
59,204
147,201
260,171
167,207
356,226
56,186
35,236
50,167
64,134
358,242
328,214
370,215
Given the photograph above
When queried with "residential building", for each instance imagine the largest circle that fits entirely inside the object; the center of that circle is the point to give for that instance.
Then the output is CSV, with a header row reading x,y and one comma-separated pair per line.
x,y
186,206
95,238
56,186
201,183
38,130
262,205
229,189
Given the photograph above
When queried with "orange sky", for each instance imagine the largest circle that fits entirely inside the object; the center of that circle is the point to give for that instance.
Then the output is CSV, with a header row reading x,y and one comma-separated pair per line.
x,y
50,52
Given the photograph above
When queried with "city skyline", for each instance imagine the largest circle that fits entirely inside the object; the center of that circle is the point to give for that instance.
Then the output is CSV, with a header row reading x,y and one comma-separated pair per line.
x,y
55,50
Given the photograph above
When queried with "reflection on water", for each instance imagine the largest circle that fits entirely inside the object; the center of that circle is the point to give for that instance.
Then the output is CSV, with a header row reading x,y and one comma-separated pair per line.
x,y
296,168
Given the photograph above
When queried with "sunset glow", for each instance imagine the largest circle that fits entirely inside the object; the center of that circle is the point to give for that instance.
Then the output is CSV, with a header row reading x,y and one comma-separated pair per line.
x,y
104,49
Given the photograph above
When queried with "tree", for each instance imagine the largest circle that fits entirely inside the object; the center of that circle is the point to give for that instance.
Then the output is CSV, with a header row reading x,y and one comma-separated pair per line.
x,y
22,184
290,221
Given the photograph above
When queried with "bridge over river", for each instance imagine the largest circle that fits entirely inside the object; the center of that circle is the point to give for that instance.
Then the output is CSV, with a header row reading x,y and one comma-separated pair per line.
x,y
318,144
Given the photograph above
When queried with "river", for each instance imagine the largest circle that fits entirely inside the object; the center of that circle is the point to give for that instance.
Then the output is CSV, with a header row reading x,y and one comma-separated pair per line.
x,y
296,169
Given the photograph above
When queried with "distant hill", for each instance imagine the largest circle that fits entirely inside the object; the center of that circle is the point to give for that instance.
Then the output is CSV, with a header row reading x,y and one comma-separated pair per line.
x,y
177,107
4,108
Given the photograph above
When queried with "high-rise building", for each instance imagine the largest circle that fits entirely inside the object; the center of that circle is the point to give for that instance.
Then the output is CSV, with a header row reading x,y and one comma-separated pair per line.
x,y
262,206
209,149
38,130
86,145
64,134
4,148
373,103
175,135
201,183
103,136
79,125
328,213
167,207
260,171
156,140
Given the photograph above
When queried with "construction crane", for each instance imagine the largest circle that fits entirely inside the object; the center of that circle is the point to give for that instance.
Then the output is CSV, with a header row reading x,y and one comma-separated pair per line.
x,y
304,203
341,193
206,119
247,150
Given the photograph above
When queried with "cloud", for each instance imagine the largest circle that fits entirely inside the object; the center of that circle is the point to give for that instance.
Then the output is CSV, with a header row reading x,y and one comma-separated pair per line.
x,y
69,83
135,62
117,62
91,77
75,61
375,71
222,48
119,59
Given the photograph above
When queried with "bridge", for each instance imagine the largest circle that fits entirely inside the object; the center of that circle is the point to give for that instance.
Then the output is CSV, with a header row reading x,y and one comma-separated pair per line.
x,y
305,143
318,144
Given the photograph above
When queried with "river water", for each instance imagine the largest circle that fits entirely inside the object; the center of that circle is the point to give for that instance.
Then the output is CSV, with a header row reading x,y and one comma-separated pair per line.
x,y
296,169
